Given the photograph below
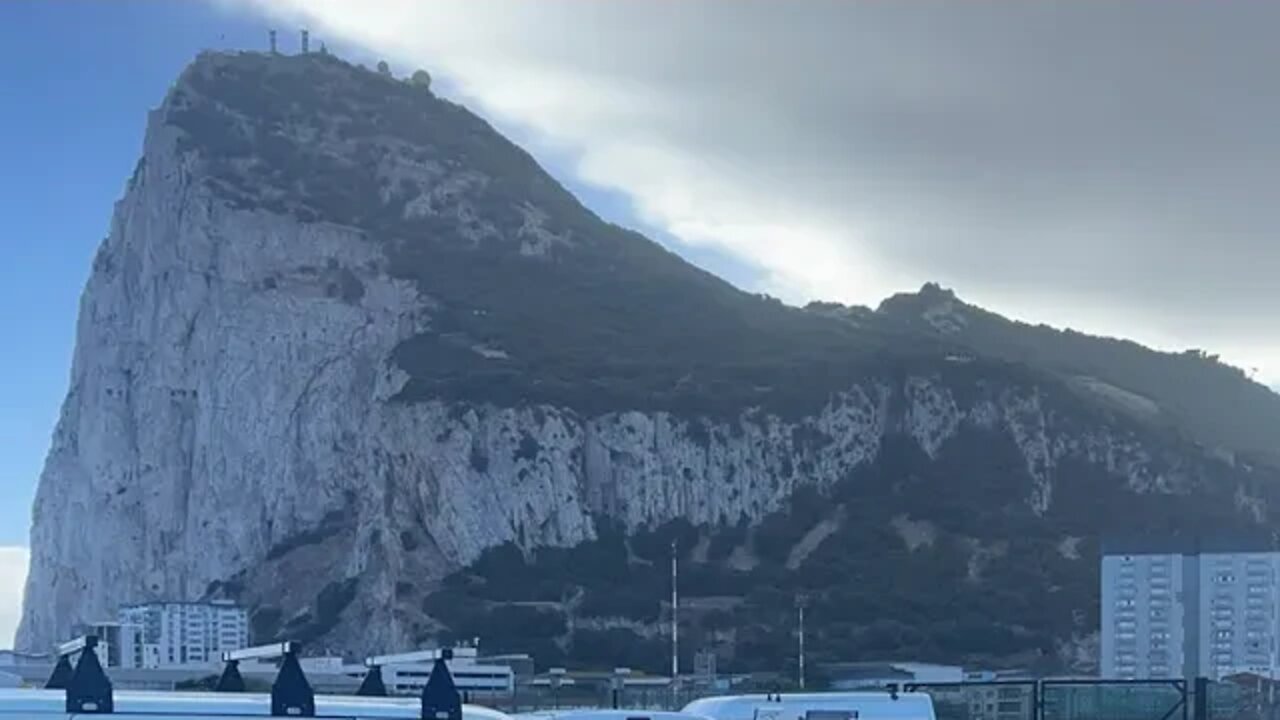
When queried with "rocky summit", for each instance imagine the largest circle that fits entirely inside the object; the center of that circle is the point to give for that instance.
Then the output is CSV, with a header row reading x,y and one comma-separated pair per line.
x,y
351,358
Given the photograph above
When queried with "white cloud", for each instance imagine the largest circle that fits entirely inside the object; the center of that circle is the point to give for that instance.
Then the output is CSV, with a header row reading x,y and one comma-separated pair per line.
x,y
1072,164
13,579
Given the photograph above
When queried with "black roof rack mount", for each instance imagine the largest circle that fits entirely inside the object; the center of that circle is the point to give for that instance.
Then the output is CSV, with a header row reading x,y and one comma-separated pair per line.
x,y
230,681
89,691
440,698
291,694
372,685
61,676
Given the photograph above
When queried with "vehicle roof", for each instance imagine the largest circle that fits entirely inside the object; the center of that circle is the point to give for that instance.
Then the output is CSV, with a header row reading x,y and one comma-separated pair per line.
x,y
26,702
608,714
727,707
868,696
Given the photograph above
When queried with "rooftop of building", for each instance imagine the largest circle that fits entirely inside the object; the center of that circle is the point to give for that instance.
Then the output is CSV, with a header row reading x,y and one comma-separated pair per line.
x,y
1243,541
887,669
220,604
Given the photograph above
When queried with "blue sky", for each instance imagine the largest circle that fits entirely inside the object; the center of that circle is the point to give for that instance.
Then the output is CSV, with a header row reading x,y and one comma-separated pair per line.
x,y
71,129
70,132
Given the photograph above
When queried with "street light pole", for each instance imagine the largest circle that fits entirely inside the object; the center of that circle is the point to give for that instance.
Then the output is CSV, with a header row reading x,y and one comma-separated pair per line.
x,y
801,601
1275,642
557,678
619,685
675,626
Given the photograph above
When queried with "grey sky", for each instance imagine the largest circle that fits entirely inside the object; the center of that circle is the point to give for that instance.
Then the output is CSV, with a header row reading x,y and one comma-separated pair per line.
x,y
1105,165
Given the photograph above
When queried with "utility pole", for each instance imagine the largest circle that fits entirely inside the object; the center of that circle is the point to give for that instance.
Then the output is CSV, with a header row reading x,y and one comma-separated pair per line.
x,y
675,625
557,676
801,601
1275,642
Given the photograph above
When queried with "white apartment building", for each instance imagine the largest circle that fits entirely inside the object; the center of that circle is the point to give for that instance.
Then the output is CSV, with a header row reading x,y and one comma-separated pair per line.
x,y
1239,610
1143,616
175,634
1184,609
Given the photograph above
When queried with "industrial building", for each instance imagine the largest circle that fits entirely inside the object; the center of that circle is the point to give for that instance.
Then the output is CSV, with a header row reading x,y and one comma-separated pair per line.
x,y
470,675
845,676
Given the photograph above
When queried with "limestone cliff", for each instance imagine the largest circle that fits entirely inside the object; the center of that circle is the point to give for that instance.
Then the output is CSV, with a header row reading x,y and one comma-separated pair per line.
x,y
342,338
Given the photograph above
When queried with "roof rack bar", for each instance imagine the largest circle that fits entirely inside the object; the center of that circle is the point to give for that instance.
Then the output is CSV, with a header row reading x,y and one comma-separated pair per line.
x,y
262,652
71,647
415,656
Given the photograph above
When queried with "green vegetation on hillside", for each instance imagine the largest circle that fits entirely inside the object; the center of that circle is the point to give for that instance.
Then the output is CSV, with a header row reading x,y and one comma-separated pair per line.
x,y
1212,402
988,581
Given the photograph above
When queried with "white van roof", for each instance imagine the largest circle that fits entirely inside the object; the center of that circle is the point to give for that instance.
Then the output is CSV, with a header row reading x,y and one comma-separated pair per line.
x,y
789,706
607,714
23,703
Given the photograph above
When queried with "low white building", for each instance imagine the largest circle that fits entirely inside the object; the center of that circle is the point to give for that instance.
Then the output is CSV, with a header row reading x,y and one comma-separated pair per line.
x,y
12,659
846,676
470,674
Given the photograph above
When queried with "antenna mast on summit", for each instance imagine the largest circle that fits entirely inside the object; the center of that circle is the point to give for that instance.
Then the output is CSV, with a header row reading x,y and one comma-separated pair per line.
x,y
306,41
272,34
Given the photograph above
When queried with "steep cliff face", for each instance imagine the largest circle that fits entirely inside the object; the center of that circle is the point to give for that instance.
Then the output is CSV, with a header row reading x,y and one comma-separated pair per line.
x,y
343,339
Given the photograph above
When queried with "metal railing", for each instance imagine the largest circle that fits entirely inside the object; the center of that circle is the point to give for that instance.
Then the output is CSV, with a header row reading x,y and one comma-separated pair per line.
x,y
1099,699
